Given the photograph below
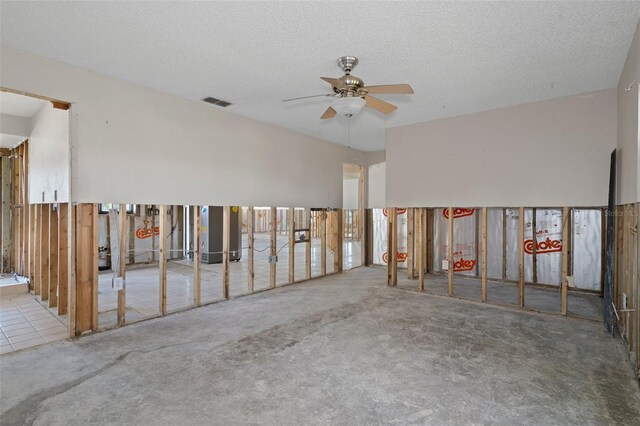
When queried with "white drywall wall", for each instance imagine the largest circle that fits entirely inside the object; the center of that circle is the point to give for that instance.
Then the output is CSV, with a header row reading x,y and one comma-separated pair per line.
x,y
549,153
131,144
628,155
375,157
376,184
49,155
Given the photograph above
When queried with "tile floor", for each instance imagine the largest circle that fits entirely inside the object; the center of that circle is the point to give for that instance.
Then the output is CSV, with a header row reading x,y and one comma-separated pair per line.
x,y
25,323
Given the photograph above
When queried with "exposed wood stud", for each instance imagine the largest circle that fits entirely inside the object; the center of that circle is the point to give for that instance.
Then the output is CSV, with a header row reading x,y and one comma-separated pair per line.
x,y
122,262
307,246
94,258
476,239
197,255
450,254
362,201
421,240
63,257
15,210
626,284
250,249
565,260
323,242
25,209
392,247
53,257
272,240
410,243
521,256
425,239
534,248
32,245
484,254
338,255
430,252
83,307
226,249
504,244
73,262
163,258
37,249
291,222
45,253
19,266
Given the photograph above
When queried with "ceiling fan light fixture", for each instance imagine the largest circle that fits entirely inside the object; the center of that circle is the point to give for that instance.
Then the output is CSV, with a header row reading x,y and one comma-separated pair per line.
x,y
348,106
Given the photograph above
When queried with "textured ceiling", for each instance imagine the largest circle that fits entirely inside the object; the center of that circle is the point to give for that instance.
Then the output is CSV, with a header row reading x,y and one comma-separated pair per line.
x,y
459,57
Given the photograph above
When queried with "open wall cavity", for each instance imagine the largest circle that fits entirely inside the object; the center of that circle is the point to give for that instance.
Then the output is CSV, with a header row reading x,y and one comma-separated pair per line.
x,y
139,261
567,248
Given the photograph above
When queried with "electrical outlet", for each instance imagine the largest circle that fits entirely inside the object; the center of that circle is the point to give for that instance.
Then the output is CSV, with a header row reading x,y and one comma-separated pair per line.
x,y
571,281
117,283
445,265
273,259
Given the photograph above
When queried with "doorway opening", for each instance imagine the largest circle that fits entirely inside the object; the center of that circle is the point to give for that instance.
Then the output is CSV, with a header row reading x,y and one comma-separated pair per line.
x,y
352,215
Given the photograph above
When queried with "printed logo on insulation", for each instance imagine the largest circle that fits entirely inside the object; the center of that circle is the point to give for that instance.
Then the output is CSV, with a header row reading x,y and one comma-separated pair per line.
x,y
458,213
398,211
143,233
463,264
400,257
546,246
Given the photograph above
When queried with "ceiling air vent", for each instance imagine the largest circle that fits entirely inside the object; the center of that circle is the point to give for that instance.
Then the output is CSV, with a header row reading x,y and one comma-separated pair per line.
x,y
218,102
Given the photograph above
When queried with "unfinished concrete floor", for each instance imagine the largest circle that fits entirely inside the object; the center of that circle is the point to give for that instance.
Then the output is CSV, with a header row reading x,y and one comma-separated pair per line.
x,y
537,298
344,349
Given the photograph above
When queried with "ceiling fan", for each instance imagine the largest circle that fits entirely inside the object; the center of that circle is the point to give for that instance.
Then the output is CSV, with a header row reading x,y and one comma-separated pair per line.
x,y
352,95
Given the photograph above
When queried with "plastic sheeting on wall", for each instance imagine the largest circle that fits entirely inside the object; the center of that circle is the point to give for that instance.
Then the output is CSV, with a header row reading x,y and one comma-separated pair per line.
x,y
587,248
586,243
465,254
548,246
380,226
494,243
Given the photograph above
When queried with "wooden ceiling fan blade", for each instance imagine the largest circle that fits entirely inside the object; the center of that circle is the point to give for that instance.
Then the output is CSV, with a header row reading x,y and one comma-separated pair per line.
x,y
334,82
390,89
380,105
306,97
329,113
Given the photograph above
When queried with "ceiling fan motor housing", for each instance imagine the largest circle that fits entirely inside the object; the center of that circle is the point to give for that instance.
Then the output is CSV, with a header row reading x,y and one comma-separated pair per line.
x,y
351,86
